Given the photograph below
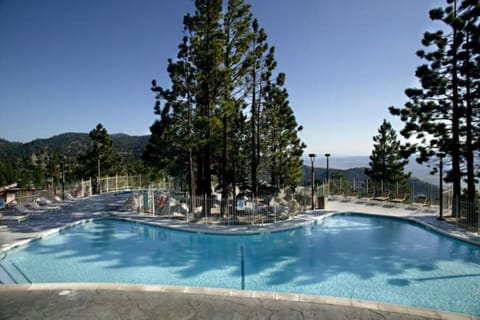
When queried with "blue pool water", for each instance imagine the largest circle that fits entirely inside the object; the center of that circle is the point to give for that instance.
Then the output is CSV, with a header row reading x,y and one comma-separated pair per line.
x,y
352,256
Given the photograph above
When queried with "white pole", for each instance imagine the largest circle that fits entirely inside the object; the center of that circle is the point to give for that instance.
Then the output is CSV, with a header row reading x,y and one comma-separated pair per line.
x,y
153,202
413,190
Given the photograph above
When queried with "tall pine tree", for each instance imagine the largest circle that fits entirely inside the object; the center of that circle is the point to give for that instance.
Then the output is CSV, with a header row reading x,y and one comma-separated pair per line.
x,y
210,118
237,38
440,115
281,146
387,166
100,159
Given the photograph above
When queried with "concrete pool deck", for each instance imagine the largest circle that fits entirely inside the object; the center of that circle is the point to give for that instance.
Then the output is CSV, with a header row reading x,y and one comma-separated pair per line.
x,y
115,301
123,301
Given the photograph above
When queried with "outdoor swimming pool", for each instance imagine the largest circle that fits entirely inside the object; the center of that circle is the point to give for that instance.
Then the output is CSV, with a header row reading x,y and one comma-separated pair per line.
x,y
352,256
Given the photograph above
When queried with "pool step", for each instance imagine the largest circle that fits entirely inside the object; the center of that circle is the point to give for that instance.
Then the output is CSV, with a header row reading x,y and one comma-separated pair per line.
x,y
10,273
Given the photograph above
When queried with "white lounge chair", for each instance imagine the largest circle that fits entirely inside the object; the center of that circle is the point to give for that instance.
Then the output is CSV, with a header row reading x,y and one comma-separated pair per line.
x,y
46,204
382,196
420,202
19,208
68,196
15,218
399,199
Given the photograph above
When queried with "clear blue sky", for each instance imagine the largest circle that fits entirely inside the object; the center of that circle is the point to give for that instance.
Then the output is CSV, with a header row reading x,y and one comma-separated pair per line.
x,y
67,65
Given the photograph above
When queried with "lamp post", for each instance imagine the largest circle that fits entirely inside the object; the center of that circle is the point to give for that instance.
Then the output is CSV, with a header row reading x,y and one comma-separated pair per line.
x,y
63,178
312,158
441,155
327,155
98,175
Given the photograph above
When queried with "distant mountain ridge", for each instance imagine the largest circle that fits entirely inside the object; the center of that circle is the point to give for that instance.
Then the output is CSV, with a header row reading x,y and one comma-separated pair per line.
x,y
419,171
72,144
416,185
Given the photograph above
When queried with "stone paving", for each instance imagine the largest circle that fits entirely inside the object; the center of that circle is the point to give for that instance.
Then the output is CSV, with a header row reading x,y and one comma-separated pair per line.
x,y
38,223
114,301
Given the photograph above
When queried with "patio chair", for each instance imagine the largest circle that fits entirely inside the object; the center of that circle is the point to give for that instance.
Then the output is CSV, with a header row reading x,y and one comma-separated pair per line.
x,y
367,197
59,201
69,196
19,209
45,204
353,195
13,214
399,199
32,207
337,195
383,196
420,202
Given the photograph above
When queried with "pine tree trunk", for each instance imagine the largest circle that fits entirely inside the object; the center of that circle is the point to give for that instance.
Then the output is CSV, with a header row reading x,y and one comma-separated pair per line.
x,y
191,180
254,162
257,155
469,152
224,165
455,151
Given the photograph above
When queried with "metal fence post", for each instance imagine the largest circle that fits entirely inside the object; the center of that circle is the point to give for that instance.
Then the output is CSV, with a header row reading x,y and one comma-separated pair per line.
x,y
205,207
477,210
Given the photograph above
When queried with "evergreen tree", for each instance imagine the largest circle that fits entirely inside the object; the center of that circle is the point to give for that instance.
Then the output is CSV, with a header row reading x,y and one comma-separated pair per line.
x,y
159,152
205,132
206,44
101,154
237,38
469,69
281,147
440,115
386,162
256,61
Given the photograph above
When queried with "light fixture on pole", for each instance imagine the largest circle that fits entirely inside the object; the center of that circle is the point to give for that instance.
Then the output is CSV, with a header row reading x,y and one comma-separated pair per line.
x,y
441,155
98,174
312,158
63,178
327,155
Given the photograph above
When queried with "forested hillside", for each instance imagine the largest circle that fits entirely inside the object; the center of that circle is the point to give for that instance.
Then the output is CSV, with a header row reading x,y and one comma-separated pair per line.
x,y
71,144
30,164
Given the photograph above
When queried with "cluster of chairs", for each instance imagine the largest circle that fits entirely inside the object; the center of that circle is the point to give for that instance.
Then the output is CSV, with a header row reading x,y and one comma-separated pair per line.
x,y
420,201
20,212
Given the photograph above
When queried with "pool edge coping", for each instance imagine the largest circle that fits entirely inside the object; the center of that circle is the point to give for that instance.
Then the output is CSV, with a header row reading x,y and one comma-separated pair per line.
x,y
300,220
64,288
307,218
304,219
